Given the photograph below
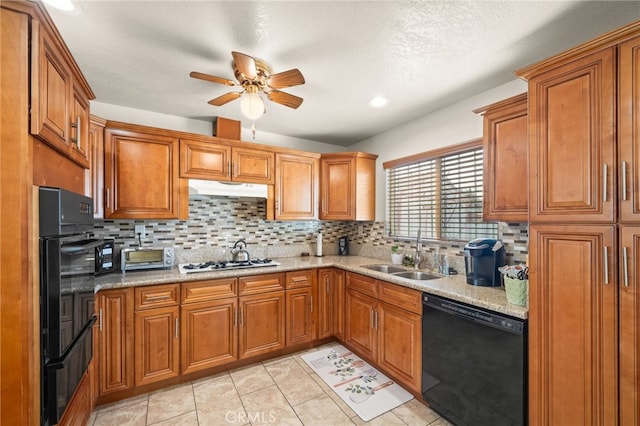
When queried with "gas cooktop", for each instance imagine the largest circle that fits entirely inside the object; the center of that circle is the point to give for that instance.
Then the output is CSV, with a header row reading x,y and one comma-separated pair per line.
x,y
189,268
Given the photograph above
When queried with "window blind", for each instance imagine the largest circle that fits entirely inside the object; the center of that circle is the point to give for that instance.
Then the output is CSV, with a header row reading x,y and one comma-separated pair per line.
x,y
442,196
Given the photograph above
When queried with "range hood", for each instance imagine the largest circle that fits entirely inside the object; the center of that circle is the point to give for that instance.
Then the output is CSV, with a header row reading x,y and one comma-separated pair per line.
x,y
209,188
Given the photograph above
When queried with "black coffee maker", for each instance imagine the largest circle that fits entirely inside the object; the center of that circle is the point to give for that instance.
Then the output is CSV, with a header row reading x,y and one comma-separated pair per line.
x,y
482,258
343,246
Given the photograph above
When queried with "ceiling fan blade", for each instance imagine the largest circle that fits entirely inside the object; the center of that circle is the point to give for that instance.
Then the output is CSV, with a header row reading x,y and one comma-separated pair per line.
x,y
286,79
245,64
285,99
227,97
212,78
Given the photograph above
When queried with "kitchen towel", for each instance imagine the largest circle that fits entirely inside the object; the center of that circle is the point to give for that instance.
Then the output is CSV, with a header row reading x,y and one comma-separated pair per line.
x,y
367,391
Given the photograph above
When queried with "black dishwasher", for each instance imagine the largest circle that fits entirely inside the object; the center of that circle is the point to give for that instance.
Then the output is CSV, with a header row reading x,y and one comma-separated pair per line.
x,y
474,363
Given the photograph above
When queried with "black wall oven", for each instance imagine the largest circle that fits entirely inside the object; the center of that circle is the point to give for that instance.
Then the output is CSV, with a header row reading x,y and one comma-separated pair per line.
x,y
67,281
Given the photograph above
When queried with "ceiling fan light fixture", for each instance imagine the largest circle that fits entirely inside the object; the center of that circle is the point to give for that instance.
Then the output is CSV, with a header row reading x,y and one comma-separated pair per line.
x,y
64,5
251,104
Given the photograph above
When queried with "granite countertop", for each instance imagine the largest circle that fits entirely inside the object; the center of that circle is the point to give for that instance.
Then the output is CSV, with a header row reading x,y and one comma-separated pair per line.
x,y
453,287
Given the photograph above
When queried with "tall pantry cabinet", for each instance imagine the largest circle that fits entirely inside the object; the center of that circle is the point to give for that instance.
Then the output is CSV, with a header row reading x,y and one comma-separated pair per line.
x,y
584,195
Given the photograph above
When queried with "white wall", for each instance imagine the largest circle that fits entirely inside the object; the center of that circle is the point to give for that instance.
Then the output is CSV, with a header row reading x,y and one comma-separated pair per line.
x,y
454,124
166,121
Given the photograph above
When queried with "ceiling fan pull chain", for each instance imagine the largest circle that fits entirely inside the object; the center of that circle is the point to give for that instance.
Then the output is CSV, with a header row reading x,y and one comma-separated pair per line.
x,y
253,130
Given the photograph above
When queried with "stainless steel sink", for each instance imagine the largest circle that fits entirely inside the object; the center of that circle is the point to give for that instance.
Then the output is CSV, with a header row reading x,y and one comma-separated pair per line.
x,y
416,275
389,269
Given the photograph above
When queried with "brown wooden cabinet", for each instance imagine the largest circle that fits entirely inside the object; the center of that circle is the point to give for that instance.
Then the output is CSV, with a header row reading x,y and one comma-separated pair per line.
x,y
297,186
209,324
157,333
629,319
330,303
505,142
115,339
94,177
583,318
347,186
573,325
301,313
384,325
60,99
262,314
222,160
141,174
572,166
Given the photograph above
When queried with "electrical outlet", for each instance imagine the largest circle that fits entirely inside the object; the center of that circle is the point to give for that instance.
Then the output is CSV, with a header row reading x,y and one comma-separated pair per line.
x,y
139,229
360,229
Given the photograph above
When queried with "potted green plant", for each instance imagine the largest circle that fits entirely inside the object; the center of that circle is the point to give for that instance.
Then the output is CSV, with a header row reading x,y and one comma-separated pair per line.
x,y
396,256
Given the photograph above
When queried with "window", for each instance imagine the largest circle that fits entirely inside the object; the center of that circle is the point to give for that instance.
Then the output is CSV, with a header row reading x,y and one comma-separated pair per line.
x,y
438,192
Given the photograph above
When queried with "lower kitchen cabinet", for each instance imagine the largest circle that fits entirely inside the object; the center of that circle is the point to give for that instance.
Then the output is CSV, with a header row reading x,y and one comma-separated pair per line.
x,y
156,345
115,340
330,303
388,333
629,285
209,334
300,311
573,325
262,323
209,324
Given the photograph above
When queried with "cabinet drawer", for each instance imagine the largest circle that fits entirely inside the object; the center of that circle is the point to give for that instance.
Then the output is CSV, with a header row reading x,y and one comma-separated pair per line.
x,y
298,279
402,297
156,296
261,283
201,291
361,283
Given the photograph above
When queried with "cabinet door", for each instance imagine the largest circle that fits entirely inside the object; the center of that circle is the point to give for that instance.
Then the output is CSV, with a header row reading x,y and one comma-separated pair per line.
x,y
360,329
300,312
506,161
629,129
399,344
79,135
573,345
94,177
209,334
262,323
629,325
337,176
252,166
204,160
51,98
157,345
115,340
141,176
326,306
571,140
296,187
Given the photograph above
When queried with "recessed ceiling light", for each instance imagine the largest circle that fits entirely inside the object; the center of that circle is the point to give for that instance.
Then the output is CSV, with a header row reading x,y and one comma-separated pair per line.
x,y
378,101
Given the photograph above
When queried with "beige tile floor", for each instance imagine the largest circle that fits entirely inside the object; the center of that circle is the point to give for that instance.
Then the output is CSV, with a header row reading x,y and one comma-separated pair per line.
x,y
282,391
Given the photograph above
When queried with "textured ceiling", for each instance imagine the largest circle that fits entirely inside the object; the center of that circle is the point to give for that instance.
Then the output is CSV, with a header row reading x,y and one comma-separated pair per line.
x,y
421,55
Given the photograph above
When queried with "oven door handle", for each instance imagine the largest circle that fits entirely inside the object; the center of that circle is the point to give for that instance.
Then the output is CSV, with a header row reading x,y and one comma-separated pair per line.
x,y
80,247
59,363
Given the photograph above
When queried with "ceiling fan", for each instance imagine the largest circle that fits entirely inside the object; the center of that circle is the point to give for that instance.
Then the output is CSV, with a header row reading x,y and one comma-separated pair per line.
x,y
254,76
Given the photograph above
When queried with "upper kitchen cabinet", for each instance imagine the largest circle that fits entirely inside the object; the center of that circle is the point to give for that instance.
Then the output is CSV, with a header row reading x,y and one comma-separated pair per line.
x,y
629,129
219,159
59,98
297,186
572,131
347,186
94,179
142,174
505,142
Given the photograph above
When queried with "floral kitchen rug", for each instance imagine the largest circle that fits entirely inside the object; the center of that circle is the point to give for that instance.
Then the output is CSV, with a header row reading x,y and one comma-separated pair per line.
x,y
367,391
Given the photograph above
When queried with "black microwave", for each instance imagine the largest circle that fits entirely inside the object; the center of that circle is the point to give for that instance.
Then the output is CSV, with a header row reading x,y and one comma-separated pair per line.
x,y
105,257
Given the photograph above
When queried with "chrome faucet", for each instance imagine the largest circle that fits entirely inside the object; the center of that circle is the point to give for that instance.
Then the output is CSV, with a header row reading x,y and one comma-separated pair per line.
x,y
417,257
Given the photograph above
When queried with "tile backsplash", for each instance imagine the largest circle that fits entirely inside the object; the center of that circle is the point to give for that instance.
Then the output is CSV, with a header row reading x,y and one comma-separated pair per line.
x,y
215,223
